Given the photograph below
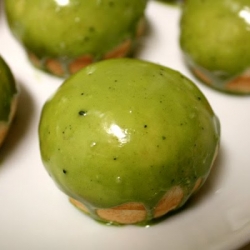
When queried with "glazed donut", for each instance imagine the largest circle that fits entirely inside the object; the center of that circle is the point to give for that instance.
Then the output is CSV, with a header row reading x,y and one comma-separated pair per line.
x,y
128,148
215,38
8,99
63,36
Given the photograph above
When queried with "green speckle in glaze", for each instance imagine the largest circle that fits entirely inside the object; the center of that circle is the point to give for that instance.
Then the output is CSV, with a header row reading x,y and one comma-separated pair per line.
x,y
126,130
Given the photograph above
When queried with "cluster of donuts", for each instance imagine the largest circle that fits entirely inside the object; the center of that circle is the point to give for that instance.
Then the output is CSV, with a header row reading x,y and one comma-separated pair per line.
x,y
127,140
214,36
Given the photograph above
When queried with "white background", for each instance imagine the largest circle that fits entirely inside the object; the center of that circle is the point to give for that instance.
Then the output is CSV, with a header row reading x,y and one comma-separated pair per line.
x,y
34,214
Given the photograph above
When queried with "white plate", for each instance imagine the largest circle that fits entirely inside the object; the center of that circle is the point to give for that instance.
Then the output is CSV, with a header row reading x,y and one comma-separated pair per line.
x,y
34,214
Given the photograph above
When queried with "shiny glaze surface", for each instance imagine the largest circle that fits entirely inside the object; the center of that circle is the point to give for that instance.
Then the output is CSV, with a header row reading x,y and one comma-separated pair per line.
x,y
214,38
127,131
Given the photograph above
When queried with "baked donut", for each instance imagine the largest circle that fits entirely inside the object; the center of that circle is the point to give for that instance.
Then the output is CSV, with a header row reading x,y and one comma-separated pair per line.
x,y
128,148
8,99
215,38
62,36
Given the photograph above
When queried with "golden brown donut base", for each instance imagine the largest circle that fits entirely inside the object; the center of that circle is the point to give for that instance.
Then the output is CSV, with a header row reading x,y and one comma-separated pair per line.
x,y
59,68
135,212
3,132
4,126
238,85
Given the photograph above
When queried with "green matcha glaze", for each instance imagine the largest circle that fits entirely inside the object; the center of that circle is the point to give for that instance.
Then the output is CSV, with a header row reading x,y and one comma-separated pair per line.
x,y
215,38
70,28
126,130
7,90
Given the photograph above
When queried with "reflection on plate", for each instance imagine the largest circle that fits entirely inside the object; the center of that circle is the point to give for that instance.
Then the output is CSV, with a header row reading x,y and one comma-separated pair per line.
x,y
35,215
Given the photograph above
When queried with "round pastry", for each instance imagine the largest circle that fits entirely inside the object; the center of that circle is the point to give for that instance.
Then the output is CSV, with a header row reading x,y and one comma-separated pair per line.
x,y
128,148
215,39
8,99
62,36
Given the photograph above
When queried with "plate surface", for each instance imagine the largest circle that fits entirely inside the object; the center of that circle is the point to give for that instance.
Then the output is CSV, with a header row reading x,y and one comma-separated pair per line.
x,y
34,214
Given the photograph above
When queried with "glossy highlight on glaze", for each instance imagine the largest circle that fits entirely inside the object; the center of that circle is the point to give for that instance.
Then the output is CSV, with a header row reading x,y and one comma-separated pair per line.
x,y
146,143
